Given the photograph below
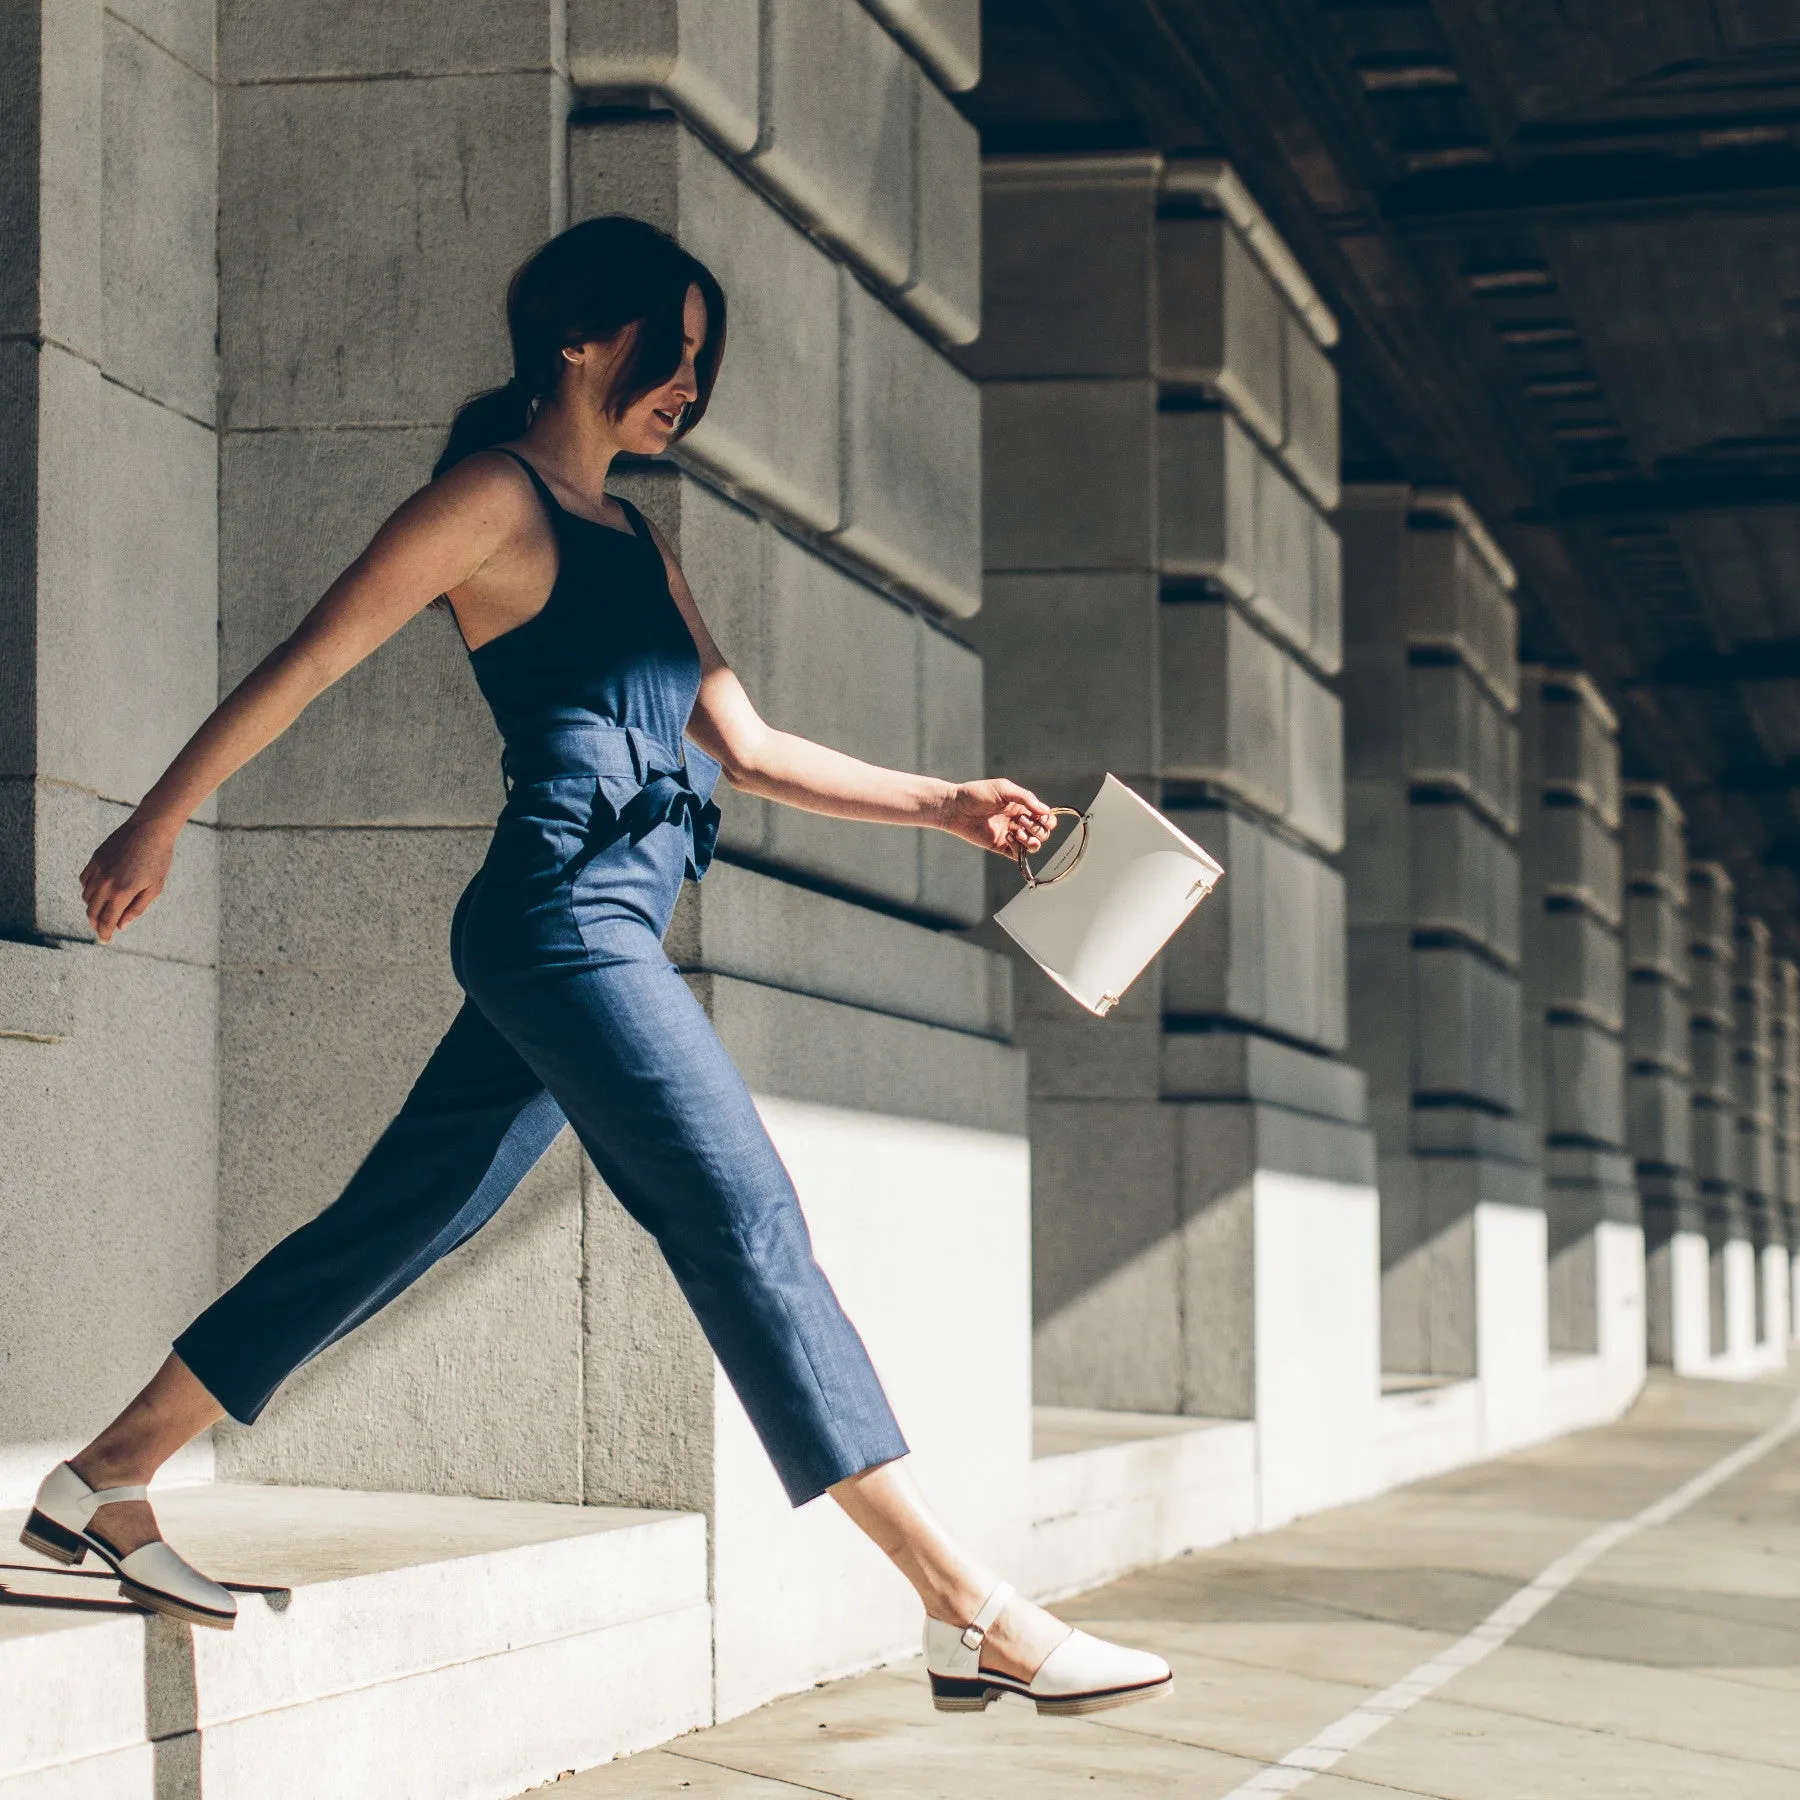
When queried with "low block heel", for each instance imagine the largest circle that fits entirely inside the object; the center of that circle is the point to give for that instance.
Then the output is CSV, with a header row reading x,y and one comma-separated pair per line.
x,y
950,1693
50,1539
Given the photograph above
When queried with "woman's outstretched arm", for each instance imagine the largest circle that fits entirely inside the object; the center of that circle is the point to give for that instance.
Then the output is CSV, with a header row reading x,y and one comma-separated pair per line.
x,y
435,541
994,813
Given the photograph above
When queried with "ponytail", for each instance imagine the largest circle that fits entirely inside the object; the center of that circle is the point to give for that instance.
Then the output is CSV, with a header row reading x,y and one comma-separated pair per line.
x,y
484,420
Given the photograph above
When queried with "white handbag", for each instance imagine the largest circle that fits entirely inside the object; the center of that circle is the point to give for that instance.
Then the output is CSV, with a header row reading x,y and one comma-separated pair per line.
x,y
1116,890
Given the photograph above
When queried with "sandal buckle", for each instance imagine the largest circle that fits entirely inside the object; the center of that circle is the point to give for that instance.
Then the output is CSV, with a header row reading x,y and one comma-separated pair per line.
x,y
973,1637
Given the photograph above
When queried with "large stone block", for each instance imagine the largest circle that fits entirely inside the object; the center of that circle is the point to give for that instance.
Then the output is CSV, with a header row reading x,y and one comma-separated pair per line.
x,y
1459,738
1069,482
757,928
1579,859
1756,1158
157,276
1225,1065
1310,446
1069,267
1710,912
267,40
1583,968
1378,853
1751,961
1753,1084
1656,1022
1709,986
912,458
185,28
705,55
1585,1086
1656,932
944,34
1274,954
1659,1118
1285,550
1105,1278
405,737
1315,741
1067,661
1328,595
773,428
1465,877
821,624
1206,470
126,655
840,151
1655,831
1710,1061
1226,705
408,325
1220,320
1451,600
952,746
1465,1028
1578,742
944,291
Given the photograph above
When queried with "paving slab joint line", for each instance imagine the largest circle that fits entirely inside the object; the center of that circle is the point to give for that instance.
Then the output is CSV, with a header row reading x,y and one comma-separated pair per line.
x,y
1356,1727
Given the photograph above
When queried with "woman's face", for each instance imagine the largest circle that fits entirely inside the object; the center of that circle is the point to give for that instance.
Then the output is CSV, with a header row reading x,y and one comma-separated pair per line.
x,y
647,426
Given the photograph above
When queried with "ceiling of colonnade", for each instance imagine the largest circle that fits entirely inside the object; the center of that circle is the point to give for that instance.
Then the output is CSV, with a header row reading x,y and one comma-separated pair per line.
x,y
1563,237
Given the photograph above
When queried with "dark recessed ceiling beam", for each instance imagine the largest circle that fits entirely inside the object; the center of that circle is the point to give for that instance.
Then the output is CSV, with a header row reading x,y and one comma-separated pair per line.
x,y
1732,490
1766,659
1624,184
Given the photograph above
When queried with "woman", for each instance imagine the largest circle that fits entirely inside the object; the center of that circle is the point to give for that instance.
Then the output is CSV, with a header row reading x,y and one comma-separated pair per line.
x,y
591,651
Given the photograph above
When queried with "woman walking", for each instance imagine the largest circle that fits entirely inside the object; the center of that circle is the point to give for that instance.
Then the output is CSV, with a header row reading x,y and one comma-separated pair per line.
x,y
617,715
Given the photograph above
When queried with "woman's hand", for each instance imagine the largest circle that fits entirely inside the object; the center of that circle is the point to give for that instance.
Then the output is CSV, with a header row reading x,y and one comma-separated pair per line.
x,y
126,873
997,815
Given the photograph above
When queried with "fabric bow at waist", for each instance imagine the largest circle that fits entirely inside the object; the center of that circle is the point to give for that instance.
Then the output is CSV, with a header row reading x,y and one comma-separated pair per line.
x,y
639,782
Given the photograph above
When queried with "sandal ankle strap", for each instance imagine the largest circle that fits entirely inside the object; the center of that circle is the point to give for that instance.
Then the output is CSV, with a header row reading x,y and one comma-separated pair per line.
x,y
990,1609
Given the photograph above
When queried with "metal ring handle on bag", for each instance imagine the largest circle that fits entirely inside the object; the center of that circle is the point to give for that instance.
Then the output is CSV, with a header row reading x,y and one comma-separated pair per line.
x,y
1024,861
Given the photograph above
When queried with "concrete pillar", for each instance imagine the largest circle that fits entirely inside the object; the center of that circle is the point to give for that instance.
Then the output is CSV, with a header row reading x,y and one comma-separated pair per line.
x,y
107,662
1163,602
1718,1165
1574,966
1753,1061
828,516
1430,687
1784,1041
1659,1090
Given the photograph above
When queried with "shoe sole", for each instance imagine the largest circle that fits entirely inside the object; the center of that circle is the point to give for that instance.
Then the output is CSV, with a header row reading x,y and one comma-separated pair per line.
x,y
953,1695
63,1546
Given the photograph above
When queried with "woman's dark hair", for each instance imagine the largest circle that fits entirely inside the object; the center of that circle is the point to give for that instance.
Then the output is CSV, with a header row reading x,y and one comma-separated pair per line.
x,y
586,285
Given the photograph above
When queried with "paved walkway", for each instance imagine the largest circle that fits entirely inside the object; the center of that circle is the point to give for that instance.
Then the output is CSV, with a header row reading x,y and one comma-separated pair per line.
x,y
1669,1667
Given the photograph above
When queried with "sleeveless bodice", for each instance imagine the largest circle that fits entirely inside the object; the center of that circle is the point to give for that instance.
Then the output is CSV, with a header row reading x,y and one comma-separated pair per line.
x,y
598,685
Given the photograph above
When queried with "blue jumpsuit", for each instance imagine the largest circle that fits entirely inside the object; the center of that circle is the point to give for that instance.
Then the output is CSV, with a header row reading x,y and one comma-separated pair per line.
x,y
572,1012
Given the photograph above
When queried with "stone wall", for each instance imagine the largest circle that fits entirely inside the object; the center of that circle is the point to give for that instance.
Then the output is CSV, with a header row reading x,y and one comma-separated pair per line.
x,y
108,378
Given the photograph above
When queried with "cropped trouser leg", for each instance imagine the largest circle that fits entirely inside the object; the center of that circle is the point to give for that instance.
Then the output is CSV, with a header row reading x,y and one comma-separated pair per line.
x,y
624,1052
476,1121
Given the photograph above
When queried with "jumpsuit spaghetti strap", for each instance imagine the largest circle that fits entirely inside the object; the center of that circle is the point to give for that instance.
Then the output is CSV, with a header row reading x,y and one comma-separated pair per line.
x,y
573,1014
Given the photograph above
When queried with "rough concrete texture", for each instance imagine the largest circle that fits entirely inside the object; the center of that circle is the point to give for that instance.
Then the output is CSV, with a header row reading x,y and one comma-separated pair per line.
x,y
774,422
912,458
1273,953
1225,705
406,330
841,151
944,34
1582,967
1464,1028
157,221
124,653
1069,475
1451,600
1656,1021
1659,1118
1068,268
1709,985
751,926
1310,445
1207,503
1579,859
1460,738
106,1220
1655,838
706,57
1221,1065
1065,659
1585,1082
1578,742
1656,932
1464,876
944,291
1710,912
264,41
1220,321
405,738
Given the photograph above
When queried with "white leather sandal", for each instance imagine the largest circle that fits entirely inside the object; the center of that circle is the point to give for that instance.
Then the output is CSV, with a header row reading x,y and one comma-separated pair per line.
x,y
152,1575
1081,1675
